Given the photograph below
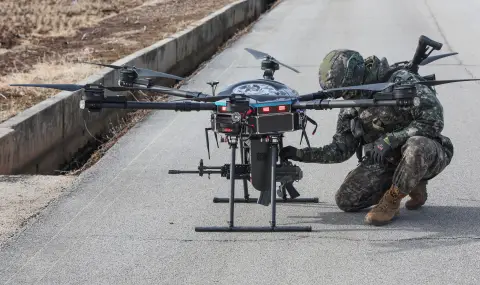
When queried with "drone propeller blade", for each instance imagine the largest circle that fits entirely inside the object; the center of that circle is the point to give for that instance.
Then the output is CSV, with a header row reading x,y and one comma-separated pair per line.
x,y
259,55
65,87
440,82
366,87
104,65
151,73
71,87
289,67
436,57
140,71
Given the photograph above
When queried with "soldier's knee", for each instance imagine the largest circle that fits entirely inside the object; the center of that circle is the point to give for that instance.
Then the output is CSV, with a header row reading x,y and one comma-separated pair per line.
x,y
344,200
415,146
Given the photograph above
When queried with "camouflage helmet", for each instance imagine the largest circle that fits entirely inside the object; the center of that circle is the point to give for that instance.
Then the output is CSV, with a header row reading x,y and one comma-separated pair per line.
x,y
341,68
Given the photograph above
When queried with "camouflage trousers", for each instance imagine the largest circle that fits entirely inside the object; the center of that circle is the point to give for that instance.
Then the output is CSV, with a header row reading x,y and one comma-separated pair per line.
x,y
421,160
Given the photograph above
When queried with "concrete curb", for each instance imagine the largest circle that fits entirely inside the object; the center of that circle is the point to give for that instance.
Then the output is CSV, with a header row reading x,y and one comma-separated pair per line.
x,y
40,139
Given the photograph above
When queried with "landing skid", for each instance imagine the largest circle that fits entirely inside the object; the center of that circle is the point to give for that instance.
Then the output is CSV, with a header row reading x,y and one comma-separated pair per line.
x,y
255,200
273,223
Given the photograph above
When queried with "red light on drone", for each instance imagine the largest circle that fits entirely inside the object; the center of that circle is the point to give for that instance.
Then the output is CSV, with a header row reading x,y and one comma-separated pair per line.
x,y
266,109
282,108
227,130
223,109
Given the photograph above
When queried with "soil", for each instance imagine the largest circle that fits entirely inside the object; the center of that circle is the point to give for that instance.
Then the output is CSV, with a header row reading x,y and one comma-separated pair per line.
x,y
23,198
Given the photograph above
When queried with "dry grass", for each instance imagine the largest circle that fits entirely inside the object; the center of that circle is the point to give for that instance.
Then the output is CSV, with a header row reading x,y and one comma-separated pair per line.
x,y
22,19
41,39
20,98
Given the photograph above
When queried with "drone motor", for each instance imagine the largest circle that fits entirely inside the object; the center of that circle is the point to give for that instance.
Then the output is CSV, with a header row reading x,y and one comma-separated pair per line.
x,y
94,93
127,77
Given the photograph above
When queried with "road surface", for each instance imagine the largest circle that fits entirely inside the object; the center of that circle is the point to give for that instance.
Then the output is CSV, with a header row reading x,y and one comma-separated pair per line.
x,y
127,221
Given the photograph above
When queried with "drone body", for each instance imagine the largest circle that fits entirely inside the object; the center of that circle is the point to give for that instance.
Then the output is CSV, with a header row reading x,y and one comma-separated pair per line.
x,y
254,115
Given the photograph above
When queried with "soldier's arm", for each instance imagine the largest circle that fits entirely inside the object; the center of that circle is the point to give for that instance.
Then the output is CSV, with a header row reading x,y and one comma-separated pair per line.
x,y
342,147
428,119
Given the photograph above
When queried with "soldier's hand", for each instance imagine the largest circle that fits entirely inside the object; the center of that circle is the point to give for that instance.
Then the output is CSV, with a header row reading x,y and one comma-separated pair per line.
x,y
381,149
291,152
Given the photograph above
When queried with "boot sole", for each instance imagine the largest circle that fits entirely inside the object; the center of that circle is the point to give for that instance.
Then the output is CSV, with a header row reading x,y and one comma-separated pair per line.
x,y
381,223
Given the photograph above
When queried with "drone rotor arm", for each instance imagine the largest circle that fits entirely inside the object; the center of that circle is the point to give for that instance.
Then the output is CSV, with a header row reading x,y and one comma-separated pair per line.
x,y
335,104
313,96
165,90
120,102
178,92
207,98
367,87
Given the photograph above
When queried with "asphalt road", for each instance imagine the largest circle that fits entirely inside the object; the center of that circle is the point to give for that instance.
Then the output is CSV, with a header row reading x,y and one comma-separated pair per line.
x,y
127,221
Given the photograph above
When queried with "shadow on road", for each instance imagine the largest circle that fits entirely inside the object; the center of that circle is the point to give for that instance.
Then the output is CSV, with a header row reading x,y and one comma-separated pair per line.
x,y
428,227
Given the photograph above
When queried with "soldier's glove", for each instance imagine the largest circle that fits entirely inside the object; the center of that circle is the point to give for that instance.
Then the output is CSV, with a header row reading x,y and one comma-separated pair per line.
x,y
292,153
381,149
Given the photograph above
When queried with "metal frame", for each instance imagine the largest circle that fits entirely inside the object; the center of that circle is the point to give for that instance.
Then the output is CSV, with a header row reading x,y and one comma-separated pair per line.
x,y
274,143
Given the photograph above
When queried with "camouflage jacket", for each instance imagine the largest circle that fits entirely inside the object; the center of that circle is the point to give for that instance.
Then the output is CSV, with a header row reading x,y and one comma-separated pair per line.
x,y
362,126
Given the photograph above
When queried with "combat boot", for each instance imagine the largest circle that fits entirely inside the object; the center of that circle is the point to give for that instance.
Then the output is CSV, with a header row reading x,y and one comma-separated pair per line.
x,y
387,208
418,196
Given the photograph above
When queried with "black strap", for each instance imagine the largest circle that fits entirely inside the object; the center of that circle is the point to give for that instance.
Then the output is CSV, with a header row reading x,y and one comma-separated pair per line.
x,y
359,152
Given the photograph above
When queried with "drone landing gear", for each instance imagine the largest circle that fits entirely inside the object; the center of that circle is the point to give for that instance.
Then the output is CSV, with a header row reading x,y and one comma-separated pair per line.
x,y
273,223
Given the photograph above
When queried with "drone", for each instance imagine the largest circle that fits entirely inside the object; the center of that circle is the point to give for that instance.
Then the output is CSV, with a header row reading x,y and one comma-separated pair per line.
x,y
254,115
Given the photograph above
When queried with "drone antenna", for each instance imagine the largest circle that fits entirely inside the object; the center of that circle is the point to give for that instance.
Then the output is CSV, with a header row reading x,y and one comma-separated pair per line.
x,y
213,84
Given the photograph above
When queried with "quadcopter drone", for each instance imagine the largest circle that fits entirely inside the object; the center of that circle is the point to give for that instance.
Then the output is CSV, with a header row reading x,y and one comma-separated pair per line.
x,y
254,115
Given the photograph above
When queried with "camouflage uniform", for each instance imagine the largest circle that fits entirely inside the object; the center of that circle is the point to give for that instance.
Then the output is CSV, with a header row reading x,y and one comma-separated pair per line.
x,y
419,151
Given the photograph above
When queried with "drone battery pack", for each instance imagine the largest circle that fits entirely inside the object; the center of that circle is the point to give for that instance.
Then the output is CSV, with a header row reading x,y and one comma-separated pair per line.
x,y
259,159
274,123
